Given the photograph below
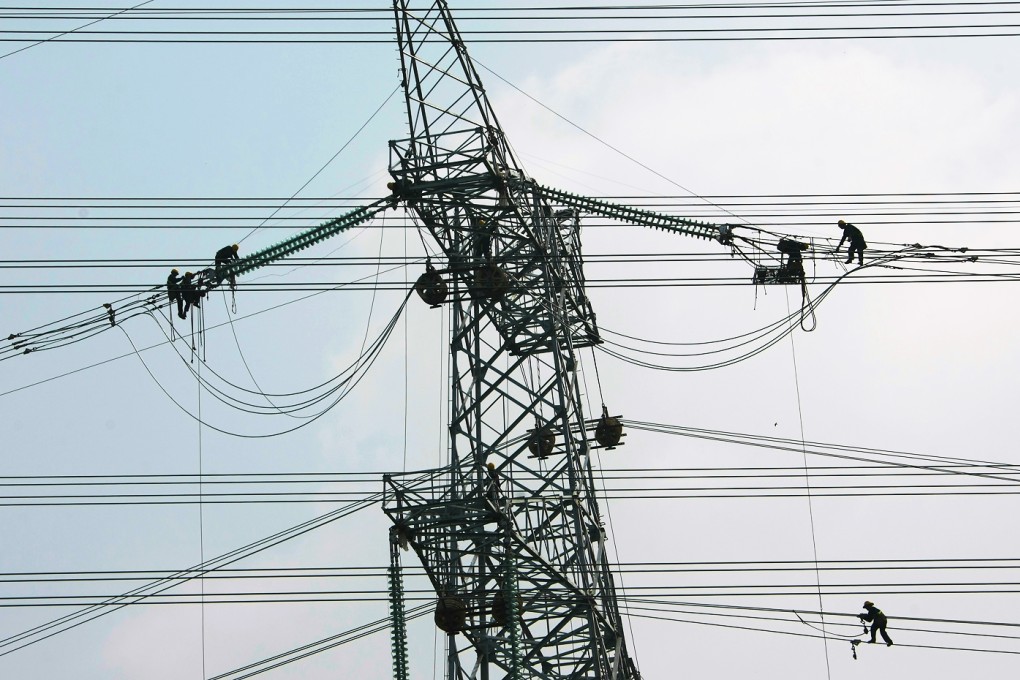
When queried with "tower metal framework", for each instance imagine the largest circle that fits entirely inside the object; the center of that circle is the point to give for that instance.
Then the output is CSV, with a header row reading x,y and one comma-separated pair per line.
x,y
509,532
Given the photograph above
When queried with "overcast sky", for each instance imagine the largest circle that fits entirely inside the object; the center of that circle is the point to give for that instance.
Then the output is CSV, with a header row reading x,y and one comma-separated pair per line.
x,y
923,368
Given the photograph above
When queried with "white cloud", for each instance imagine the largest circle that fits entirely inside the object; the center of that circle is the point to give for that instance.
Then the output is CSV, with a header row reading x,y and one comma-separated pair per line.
x,y
806,118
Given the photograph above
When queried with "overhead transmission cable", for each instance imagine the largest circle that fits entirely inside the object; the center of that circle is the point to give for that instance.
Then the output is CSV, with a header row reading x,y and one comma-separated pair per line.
x,y
325,644
161,344
356,371
654,568
889,478
812,635
57,36
538,25
901,459
43,631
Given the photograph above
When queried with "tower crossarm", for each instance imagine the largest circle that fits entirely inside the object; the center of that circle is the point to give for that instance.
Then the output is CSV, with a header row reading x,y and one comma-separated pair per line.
x,y
305,239
207,279
623,213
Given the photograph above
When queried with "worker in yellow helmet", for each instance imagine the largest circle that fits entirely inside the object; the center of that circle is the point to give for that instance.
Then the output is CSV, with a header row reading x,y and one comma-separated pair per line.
x,y
223,256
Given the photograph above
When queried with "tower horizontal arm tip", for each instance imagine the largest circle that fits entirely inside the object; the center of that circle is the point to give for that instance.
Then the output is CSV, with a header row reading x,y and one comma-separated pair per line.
x,y
647,218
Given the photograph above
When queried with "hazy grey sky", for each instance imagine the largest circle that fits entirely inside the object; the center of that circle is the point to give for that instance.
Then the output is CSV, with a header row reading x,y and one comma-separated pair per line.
x,y
919,368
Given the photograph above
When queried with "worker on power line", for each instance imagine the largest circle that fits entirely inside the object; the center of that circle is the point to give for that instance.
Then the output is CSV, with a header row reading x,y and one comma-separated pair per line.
x,y
190,293
791,271
878,622
111,313
223,256
857,244
173,292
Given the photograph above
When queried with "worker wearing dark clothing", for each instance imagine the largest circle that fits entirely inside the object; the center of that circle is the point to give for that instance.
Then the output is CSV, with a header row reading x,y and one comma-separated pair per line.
x,y
792,270
857,244
223,256
190,293
493,487
878,622
792,248
173,291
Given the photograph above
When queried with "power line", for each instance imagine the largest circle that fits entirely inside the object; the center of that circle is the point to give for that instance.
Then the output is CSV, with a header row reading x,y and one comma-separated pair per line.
x,y
658,567
372,477
573,23
692,610
116,12
811,635
1003,31
998,255
62,624
127,289
274,200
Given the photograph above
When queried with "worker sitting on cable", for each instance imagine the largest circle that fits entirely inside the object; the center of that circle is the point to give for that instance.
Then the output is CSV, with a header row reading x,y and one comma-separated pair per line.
x,y
878,622
173,291
857,243
223,256
793,269
190,293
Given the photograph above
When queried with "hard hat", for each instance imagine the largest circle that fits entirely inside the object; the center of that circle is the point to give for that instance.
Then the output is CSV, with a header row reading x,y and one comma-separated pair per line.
x,y
174,271
491,466
234,247
841,223
869,603
187,274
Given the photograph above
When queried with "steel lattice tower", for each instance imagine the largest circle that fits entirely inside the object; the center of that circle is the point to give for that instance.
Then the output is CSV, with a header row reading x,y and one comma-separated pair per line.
x,y
509,533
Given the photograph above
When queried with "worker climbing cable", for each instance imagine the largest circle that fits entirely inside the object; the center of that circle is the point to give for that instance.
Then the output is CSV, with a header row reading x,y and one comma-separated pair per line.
x,y
878,622
223,256
110,313
857,243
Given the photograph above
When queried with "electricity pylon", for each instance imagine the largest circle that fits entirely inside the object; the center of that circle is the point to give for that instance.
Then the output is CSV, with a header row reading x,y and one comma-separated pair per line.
x,y
509,532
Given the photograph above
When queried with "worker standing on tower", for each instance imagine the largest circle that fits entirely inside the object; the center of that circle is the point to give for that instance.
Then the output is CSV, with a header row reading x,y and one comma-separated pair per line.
x,y
493,487
223,256
856,239
878,622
